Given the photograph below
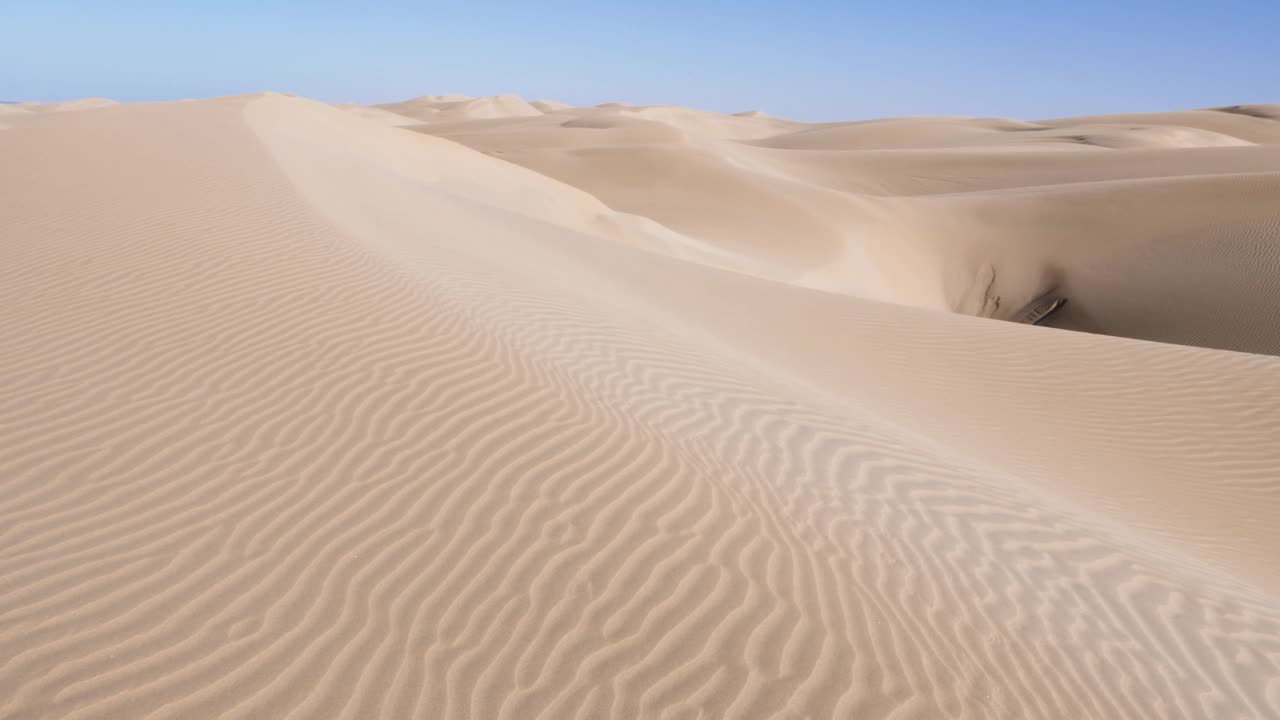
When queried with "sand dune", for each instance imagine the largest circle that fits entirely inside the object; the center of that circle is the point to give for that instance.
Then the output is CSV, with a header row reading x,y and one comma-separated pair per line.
x,y
1156,231
24,113
445,108
550,106
917,133
84,104
634,412
379,115
1253,123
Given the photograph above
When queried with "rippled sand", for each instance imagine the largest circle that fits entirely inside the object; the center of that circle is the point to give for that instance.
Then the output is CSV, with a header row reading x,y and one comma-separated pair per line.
x,y
482,408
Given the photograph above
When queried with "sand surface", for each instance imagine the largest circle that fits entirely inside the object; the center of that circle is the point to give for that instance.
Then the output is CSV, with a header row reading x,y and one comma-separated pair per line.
x,y
485,408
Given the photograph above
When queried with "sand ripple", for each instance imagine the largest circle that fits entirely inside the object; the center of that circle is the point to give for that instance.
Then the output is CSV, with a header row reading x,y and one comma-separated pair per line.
x,y
275,442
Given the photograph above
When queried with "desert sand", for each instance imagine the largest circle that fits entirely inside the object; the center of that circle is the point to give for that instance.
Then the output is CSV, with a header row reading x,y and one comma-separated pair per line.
x,y
485,408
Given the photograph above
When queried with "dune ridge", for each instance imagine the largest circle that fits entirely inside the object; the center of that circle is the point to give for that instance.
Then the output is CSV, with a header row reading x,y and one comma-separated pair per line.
x,y
323,417
1160,226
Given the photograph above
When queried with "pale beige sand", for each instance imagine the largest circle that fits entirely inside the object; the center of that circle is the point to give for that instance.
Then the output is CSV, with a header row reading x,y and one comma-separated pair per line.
x,y
306,416
1155,231
439,108
385,117
550,106
84,104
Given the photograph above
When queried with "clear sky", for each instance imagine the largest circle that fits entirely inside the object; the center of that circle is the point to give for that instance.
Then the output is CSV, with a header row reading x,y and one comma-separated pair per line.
x,y
811,60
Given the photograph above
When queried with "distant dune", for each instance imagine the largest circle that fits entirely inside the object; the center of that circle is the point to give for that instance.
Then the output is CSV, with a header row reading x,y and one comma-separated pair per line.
x,y
461,108
548,106
479,408
85,104
1156,230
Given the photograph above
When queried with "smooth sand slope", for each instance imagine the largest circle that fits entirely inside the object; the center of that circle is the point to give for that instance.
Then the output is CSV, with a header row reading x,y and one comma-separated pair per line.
x,y
1159,226
305,415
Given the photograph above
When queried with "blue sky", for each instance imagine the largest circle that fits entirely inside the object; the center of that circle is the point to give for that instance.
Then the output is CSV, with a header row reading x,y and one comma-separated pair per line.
x,y
813,60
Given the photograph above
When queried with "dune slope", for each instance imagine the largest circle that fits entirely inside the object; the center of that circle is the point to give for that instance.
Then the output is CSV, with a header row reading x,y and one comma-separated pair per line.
x,y
1161,227
307,416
